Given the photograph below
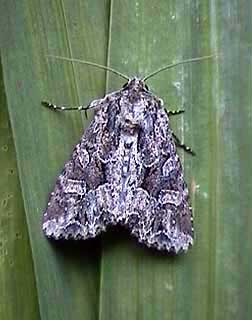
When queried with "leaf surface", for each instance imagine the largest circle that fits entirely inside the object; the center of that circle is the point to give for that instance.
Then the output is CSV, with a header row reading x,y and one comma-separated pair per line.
x,y
67,274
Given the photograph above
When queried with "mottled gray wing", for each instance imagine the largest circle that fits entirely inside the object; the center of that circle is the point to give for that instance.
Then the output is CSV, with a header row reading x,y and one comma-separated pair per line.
x,y
77,206
161,216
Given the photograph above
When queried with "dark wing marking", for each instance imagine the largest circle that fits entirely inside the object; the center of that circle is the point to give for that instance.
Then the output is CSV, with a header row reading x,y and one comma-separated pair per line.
x,y
160,215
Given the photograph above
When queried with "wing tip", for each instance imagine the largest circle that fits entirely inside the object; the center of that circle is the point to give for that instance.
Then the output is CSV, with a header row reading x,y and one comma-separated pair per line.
x,y
53,230
174,246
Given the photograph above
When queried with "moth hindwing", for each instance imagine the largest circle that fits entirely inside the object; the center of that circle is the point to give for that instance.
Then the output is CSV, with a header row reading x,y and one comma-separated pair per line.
x,y
125,170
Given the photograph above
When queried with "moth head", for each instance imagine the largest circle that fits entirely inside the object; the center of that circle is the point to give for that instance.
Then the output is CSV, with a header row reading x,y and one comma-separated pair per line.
x,y
134,104
135,85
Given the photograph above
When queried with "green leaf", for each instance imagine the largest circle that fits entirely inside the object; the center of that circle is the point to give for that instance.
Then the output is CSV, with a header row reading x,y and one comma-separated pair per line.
x,y
67,275
17,285
127,280
213,280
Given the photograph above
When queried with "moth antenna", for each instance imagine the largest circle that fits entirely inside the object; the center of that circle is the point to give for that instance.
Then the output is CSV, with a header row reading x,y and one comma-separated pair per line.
x,y
97,65
169,66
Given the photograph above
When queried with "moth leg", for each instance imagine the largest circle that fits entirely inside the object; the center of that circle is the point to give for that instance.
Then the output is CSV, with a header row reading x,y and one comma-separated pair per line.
x,y
61,108
182,145
174,112
91,105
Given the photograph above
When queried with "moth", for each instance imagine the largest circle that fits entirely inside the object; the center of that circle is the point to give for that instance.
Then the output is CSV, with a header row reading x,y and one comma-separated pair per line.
x,y
124,171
